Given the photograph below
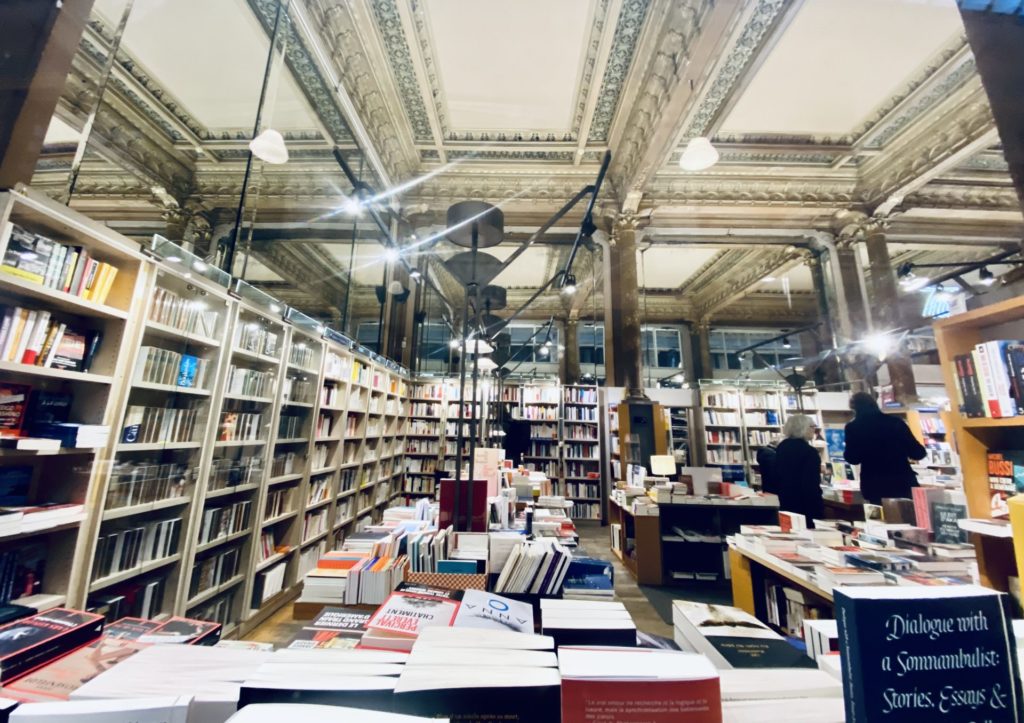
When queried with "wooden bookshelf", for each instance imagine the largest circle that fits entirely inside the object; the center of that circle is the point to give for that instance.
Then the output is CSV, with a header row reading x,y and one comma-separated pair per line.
x,y
74,475
976,436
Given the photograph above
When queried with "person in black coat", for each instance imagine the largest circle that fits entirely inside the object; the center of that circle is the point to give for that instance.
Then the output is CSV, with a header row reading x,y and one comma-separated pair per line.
x,y
882,445
797,470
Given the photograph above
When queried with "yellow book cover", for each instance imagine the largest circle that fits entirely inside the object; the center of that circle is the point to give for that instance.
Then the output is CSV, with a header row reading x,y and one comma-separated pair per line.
x,y
108,282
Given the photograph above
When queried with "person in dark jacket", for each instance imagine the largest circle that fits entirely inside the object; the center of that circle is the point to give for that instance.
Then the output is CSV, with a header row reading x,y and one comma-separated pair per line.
x,y
797,470
882,445
766,466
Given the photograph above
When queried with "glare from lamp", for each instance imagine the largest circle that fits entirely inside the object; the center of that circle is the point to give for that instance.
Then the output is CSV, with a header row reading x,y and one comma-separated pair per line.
x,y
879,344
269,147
486,364
569,283
544,351
699,155
454,344
352,206
768,279
391,254
415,275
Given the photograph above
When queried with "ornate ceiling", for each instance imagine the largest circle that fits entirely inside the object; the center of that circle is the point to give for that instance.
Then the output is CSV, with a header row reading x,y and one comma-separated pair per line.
x,y
817,107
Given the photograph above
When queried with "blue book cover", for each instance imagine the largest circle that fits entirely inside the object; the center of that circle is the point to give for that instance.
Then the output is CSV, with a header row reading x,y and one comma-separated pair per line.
x,y
187,370
835,440
468,567
914,654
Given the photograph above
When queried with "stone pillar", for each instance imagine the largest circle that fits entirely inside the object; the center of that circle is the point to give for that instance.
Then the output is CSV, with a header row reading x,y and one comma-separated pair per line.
x,y
689,356
625,306
571,356
885,306
706,368
826,336
39,41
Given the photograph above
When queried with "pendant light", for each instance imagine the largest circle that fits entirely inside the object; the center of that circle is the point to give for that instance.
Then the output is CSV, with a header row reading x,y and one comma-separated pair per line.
x,y
699,155
269,147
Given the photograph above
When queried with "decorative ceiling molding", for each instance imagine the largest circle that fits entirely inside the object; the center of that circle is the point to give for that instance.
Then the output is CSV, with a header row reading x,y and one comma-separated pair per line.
x,y
936,195
733,287
627,31
740,57
389,25
347,32
752,192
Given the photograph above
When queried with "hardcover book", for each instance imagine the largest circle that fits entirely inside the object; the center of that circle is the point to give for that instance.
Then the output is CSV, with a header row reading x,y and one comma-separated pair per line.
x,y
62,677
732,638
481,609
31,642
184,630
413,607
928,654
1005,479
13,403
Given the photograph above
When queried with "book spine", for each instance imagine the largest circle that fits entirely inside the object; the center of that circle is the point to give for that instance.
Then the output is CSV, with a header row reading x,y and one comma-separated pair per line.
x,y
57,338
38,337
1015,363
5,325
1001,377
92,346
961,391
984,376
26,334
853,672
80,267
69,271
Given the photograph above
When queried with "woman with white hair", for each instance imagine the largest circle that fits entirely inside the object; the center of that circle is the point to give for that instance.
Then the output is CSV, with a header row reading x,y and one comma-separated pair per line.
x,y
798,469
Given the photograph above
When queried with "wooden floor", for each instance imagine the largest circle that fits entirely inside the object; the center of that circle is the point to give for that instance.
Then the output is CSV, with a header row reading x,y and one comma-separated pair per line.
x,y
594,541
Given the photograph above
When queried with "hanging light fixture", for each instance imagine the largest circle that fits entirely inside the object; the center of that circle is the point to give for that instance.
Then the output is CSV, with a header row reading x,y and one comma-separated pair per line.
x,y
269,147
985,276
786,344
699,155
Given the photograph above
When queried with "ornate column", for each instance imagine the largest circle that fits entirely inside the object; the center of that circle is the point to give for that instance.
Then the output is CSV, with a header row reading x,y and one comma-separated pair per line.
x,y
885,306
706,368
847,227
625,305
571,356
827,338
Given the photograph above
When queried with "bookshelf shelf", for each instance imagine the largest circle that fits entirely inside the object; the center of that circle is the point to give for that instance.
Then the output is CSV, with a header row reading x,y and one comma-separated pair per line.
x,y
294,440
285,479
172,334
61,300
315,538
52,373
279,518
215,591
270,561
985,422
124,575
303,405
249,398
212,544
317,505
228,491
255,357
156,446
171,389
220,443
122,512
65,526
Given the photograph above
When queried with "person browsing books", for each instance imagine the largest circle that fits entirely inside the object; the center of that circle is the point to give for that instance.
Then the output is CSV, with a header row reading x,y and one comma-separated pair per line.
x,y
796,470
882,445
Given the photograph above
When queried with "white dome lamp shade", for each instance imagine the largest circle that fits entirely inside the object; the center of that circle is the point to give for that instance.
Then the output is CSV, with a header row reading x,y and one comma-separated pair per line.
x,y
699,155
269,147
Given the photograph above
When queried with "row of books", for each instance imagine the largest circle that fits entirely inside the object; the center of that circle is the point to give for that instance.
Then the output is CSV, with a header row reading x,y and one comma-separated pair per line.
x,y
289,426
163,366
149,425
579,414
214,570
534,567
301,355
121,550
22,519
190,315
223,521
324,425
226,472
286,463
256,338
718,436
299,391
249,382
543,413
268,546
425,409
712,416
22,570
240,426
142,596
315,523
319,490
35,337
990,379
580,395
268,583
277,502
63,267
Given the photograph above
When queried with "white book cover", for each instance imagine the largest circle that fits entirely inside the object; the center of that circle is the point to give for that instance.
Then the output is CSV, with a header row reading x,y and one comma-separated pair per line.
x,y
124,710
481,657
277,712
477,638
486,610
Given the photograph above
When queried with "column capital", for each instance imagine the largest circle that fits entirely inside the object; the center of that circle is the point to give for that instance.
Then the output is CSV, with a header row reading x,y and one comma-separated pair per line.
x,y
851,226
627,222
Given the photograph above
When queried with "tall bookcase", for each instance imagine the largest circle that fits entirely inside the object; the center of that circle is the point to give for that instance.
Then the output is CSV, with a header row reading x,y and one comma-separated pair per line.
x,y
976,436
245,438
425,435
581,450
73,475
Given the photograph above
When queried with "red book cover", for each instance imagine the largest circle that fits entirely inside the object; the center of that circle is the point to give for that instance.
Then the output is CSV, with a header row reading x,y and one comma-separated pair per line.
x,y
469,520
62,677
635,685
408,611
184,631
13,402
34,641
130,628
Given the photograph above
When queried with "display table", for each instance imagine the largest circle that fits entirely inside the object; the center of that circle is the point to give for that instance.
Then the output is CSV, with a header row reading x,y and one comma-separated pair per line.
x,y
749,571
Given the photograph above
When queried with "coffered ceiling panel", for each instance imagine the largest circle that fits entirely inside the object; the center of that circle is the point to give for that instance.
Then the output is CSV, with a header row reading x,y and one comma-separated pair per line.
x,y
667,267
187,44
838,61
509,65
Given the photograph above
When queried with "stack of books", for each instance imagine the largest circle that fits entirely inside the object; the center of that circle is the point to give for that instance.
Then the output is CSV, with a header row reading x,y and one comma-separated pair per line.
x,y
62,267
585,622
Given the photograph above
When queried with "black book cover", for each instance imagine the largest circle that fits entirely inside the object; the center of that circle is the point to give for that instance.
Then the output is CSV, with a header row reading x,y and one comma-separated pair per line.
x,y
252,693
914,655
34,641
616,637
1015,364
473,704
47,408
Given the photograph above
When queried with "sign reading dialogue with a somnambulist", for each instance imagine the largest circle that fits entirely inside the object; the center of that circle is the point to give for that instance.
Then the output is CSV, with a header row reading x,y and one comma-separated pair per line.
x,y
944,654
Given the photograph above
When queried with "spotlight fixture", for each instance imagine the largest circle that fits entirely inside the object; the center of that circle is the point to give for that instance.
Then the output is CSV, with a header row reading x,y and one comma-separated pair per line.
x,y
985,276
786,344
269,147
699,155
547,344
391,254
569,283
905,270
544,351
